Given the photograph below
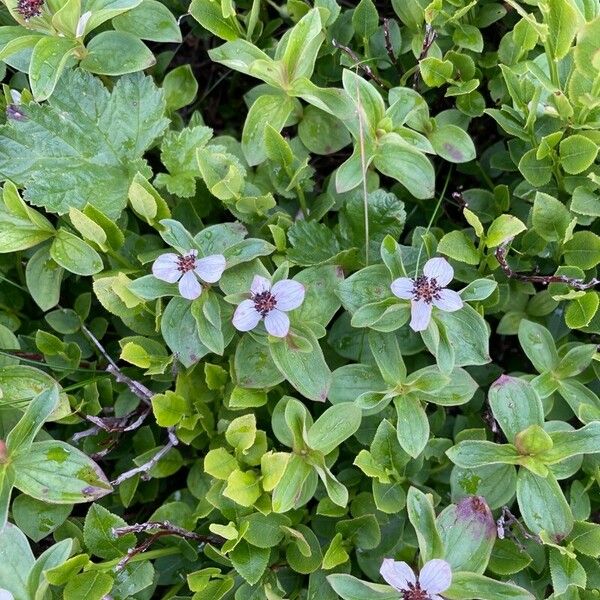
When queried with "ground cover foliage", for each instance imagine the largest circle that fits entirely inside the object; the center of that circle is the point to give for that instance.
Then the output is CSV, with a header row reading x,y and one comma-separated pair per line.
x,y
298,300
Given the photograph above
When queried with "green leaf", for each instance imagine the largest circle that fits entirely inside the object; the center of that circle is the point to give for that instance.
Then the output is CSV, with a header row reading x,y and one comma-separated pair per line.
x,y
452,143
436,72
99,537
365,19
582,310
102,162
566,571
351,588
178,154
507,558
209,15
52,557
571,443
306,371
507,393
150,20
267,109
386,215
468,532
107,50
302,46
180,332
471,454
502,229
422,517
24,432
543,505
408,166
289,488
47,63
585,538
467,334
321,132
249,561
577,153
38,519
411,12
54,471
386,351
103,10
538,172
91,585
563,22
472,586
550,217
413,425
254,367
458,246
582,250
333,427
180,87
16,560
75,255
538,344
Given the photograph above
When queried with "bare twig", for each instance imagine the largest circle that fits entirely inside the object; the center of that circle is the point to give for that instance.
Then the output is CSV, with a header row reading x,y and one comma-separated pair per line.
x,y
389,48
164,528
504,524
147,466
136,388
365,68
577,284
428,39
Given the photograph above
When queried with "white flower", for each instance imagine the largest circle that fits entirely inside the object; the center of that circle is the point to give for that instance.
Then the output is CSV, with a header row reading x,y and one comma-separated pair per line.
x,y
85,17
427,290
435,577
5,595
269,303
187,269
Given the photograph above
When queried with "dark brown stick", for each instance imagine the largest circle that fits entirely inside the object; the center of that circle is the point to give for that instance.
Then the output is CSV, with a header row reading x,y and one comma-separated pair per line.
x,y
164,528
428,39
147,466
365,68
388,41
136,388
577,284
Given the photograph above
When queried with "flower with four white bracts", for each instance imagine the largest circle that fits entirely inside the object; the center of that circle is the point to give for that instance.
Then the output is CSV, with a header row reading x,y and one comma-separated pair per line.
x,y
428,290
269,303
435,577
188,269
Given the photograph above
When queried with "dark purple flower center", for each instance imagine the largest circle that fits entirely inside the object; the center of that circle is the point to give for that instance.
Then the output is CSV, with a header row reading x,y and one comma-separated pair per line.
x,y
426,289
264,302
30,8
186,263
414,592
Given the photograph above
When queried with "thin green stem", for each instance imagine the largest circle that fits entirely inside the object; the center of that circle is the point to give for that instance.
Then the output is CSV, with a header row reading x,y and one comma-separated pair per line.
x,y
363,168
431,220
17,285
151,554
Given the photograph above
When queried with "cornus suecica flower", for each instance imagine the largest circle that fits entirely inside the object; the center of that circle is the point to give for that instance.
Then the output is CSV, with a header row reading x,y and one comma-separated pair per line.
x,y
30,8
428,290
435,577
187,268
269,303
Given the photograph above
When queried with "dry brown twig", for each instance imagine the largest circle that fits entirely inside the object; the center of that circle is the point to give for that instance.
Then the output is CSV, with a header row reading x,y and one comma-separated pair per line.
x,y
365,68
164,528
577,284
122,424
